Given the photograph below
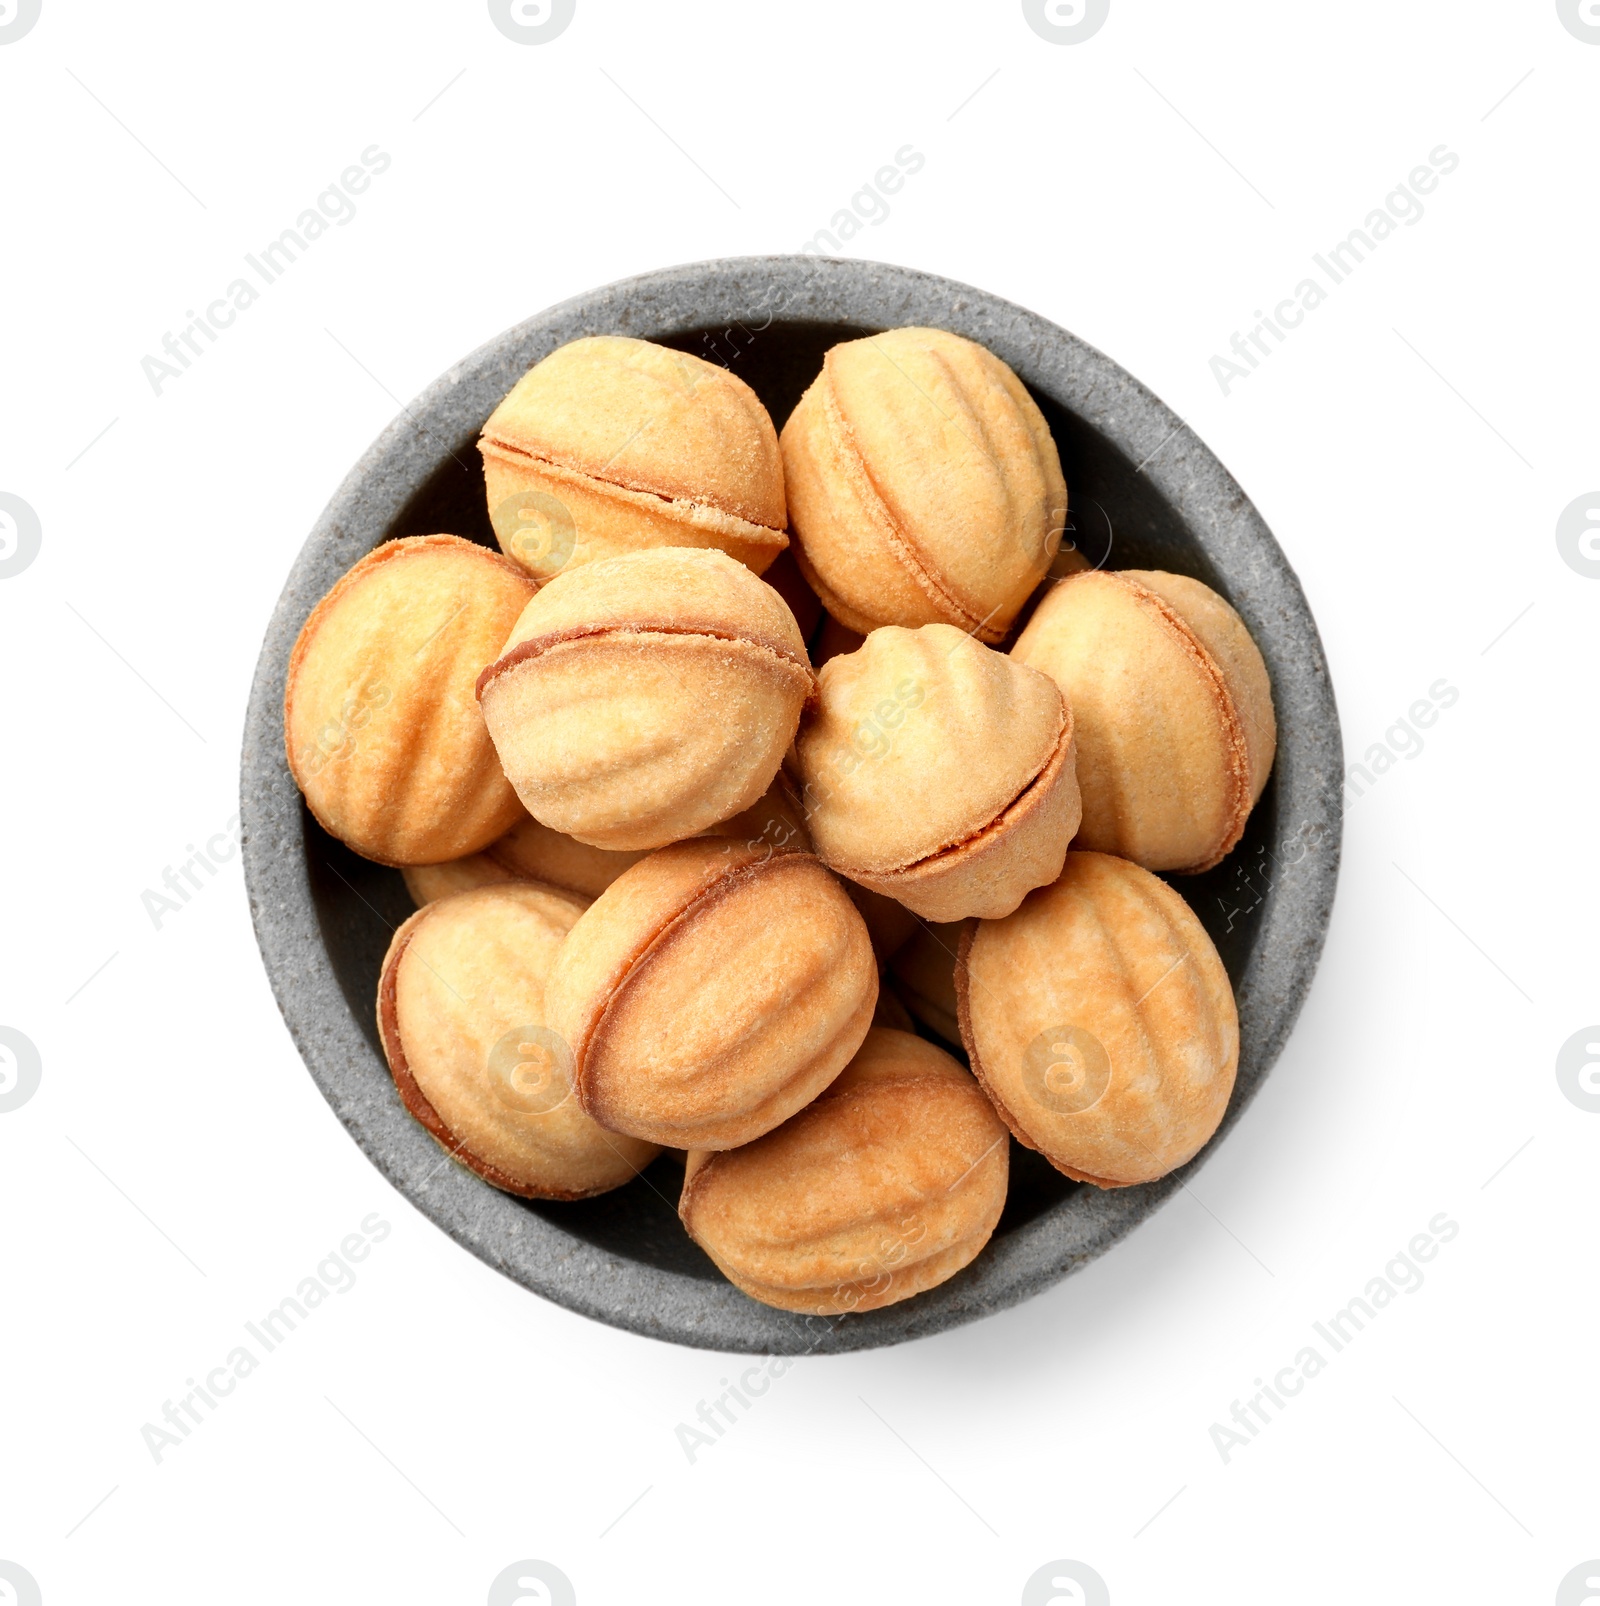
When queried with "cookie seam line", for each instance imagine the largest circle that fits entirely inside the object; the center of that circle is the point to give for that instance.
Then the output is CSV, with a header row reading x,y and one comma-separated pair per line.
x,y
901,546
490,446
716,888
856,1095
384,552
826,1310
1234,739
533,646
969,1041
414,1100
692,1186
1029,789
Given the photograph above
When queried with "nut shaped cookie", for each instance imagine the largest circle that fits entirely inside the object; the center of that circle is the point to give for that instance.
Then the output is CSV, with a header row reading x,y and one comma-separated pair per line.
x,y
886,1186
940,773
776,820
711,991
1173,707
383,734
924,486
533,852
527,852
611,445
641,699
1100,1021
461,1014
427,883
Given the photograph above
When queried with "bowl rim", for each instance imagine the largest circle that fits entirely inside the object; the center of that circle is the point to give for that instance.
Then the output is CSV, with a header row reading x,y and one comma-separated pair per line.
x,y
749,294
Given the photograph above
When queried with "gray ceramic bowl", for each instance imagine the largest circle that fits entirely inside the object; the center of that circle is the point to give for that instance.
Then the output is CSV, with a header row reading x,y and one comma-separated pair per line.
x,y
1145,494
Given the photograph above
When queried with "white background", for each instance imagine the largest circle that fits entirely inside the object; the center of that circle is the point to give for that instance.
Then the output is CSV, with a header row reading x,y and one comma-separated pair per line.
x,y
1412,446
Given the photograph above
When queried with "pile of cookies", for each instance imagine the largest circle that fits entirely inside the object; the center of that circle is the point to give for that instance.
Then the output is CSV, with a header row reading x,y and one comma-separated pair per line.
x,y
750,767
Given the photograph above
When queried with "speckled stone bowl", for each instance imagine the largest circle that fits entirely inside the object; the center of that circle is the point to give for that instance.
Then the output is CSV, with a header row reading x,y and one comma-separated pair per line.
x,y
1145,493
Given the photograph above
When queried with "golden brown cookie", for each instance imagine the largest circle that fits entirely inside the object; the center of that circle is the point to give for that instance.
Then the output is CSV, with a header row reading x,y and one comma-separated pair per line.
x,y
527,852
1069,560
611,445
1173,707
641,699
427,883
383,733
885,1186
533,852
1100,1021
461,1014
776,820
711,991
940,773
923,485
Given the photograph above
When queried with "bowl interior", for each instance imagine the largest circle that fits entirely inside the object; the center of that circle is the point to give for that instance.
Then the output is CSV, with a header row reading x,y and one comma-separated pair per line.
x,y
1118,518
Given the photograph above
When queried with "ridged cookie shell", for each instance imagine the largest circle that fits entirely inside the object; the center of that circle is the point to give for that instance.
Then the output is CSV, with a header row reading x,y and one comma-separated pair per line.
x,y
636,937
416,1101
643,417
1190,1108
898,1090
467,802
